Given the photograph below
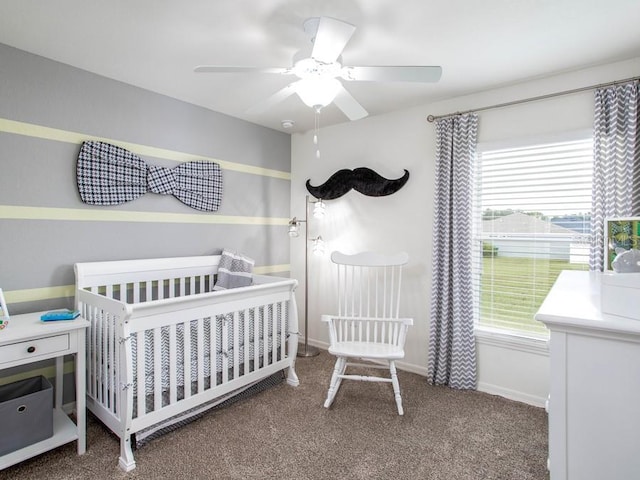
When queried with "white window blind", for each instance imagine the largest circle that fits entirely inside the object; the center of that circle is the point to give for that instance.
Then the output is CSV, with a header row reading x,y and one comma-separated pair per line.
x,y
531,220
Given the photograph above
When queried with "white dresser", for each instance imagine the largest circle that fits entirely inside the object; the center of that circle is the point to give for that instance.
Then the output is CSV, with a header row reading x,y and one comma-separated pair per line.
x,y
594,400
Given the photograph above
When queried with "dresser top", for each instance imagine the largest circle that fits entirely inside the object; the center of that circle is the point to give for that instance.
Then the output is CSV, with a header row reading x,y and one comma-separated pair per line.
x,y
574,302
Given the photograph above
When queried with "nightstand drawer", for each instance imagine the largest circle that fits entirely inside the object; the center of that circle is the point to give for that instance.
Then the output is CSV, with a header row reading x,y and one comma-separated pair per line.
x,y
34,348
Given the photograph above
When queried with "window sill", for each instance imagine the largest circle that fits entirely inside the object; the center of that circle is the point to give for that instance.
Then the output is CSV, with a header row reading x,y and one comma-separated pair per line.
x,y
500,338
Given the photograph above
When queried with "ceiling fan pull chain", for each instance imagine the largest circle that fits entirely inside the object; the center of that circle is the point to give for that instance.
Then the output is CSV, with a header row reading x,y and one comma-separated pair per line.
x,y
316,131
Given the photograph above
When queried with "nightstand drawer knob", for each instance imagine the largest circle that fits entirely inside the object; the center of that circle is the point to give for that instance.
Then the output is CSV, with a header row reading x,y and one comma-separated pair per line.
x,y
31,349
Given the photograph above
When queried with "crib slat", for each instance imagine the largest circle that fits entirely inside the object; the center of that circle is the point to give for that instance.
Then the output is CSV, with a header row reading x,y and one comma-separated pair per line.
x,y
246,343
91,355
200,356
136,292
274,332
225,350
103,361
173,365
112,356
236,344
213,322
265,338
157,369
256,337
94,354
208,370
284,329
118,370
106,366
187,359
183,291
282,334
140,373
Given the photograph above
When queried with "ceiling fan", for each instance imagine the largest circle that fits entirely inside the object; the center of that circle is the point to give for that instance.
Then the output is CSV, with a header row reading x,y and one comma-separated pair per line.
x,y
319,67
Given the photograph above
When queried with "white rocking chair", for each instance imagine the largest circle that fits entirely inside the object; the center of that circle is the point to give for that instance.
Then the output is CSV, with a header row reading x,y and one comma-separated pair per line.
x,y
367,326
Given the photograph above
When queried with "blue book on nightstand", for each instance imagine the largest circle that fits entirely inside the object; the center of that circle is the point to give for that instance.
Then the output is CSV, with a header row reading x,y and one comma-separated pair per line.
x,y
59,315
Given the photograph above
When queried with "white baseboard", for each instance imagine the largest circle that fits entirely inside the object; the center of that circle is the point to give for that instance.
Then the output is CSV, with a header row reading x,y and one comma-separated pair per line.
x,y
69,408
512,394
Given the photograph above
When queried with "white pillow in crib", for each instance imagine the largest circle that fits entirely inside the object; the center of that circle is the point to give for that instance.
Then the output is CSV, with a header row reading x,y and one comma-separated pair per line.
x,y
234,270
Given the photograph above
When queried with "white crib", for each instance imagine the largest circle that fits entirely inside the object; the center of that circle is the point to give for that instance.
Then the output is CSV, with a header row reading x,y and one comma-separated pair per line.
x,y
162,346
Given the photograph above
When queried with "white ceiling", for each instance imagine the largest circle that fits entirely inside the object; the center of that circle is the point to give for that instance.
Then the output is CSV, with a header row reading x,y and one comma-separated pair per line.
x,y
155,44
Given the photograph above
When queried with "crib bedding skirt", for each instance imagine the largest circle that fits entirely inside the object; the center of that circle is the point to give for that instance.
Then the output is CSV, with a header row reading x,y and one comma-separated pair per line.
x,y
154,363
146,435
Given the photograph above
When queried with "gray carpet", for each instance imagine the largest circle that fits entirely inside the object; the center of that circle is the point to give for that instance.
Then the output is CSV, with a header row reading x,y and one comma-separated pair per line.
x,y
286,433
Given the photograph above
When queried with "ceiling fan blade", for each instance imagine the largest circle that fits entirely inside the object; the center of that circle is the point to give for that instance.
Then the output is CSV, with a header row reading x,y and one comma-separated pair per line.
x,y
234,69
349,105
424,74
274,99
331,38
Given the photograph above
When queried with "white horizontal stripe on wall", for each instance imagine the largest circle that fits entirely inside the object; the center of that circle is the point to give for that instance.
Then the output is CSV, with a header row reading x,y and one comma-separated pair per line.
x,y
39,131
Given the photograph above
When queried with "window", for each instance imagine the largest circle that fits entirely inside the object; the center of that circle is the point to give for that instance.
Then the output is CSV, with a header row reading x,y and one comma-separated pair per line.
x,y
531,220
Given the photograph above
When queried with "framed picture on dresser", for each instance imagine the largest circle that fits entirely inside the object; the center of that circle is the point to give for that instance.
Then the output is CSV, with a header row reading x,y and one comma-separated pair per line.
x,y
621,235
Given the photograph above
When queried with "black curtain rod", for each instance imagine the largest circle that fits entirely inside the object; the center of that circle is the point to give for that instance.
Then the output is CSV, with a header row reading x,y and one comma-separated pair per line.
x,y
433,118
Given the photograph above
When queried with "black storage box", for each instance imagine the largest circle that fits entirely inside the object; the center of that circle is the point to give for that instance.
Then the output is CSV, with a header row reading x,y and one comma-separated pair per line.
x,y
26,413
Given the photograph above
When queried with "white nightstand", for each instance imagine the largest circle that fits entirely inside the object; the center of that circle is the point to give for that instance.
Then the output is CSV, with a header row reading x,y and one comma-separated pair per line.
x,y
25,340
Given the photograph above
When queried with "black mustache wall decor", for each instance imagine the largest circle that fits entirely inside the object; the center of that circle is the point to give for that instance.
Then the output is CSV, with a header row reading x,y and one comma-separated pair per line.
x,y
363,180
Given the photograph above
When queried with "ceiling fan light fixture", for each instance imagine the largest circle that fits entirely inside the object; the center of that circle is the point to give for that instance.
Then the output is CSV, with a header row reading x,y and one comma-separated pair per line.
x,y
317,92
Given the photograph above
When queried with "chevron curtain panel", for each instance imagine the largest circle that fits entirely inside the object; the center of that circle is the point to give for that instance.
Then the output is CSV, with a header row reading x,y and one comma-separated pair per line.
x,y
616,161
452,352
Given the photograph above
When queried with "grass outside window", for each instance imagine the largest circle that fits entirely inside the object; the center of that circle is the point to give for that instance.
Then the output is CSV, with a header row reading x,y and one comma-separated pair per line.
x,y
512,290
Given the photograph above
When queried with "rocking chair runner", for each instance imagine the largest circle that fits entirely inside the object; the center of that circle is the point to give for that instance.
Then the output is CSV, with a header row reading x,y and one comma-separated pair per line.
x,y
367,326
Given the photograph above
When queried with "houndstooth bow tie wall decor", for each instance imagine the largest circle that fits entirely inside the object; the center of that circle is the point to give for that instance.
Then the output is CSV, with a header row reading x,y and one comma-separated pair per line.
x,y
110,175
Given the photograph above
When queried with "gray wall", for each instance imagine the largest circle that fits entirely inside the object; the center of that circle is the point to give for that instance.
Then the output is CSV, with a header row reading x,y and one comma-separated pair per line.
x,y
41,243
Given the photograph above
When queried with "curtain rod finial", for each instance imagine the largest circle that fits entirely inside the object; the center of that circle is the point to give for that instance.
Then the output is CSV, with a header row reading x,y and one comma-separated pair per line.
x,y
431,119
